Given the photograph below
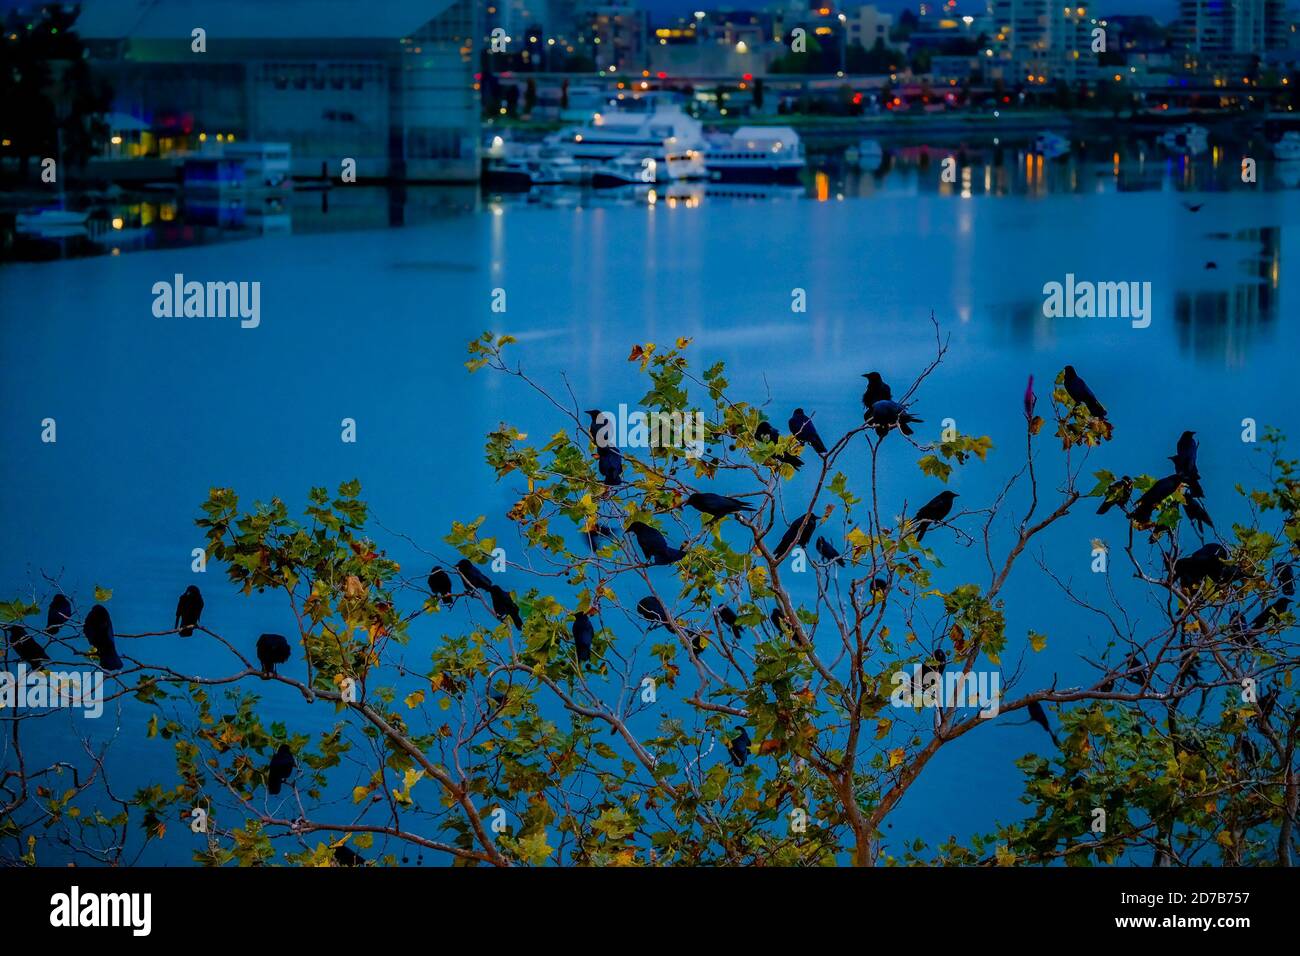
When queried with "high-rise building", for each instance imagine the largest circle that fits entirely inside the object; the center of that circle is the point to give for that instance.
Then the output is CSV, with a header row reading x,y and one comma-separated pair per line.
x,y
1226,38
1021,42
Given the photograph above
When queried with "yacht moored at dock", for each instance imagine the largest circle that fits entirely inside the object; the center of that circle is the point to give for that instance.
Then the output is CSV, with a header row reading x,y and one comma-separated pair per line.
x,y
651,126
765,154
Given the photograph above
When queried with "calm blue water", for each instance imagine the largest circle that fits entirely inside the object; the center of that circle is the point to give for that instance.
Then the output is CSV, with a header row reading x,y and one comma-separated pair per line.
x,y
372,324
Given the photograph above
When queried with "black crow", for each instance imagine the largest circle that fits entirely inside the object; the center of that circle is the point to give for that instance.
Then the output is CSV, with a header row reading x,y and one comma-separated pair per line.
x,y
344,855
1193,207
932,512
609,461
728,617
802,427
27,647
780,621
800,532
886,414
1209,561
1286,580
940,658
188,609
1185,460
827,551
738,747
1039,716
504,606
1153,497
282,764
1197,513
654,545
583,635
272,649
766,432
1118,492
99,631
474,579
601,429
1081,394
59,613
440,585
653,610
718,506
1270,616
877,390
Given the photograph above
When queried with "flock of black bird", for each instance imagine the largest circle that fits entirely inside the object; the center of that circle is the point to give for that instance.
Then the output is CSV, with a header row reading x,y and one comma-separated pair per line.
x,y
880,413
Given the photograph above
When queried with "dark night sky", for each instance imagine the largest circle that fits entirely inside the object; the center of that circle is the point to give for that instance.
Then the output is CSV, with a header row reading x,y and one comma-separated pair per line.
x,y
1161,9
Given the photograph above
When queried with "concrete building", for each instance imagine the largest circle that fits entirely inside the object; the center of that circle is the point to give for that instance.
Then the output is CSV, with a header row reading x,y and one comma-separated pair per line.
x,y
867,24
1225,39
1021,41
391,85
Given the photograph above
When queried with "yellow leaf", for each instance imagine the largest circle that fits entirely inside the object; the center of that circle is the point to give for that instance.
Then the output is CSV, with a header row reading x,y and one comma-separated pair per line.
x,y
360,793
414,699
895,757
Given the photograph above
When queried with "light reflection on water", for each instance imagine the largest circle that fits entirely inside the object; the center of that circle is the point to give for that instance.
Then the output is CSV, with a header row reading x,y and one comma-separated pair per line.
x,y
369,321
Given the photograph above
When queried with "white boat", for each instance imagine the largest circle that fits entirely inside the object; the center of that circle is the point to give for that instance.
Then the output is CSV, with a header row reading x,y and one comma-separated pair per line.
x,y
767,154
653,125
866,154
628,169
1051,145
51,218
1188,138
521,166
1287,149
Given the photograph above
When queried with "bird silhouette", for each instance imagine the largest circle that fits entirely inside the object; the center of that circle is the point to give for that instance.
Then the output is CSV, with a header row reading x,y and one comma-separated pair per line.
x,y
600,429
728,617
272,649
1153,497
738,748
440,585
583,635
344,855
802,427
1081,394
886,414
282,766
654,545
59,614
799,533
653,610
475,580
504,606
1118,492
1209,561
609,462
827,551
1193,207
188,609
877,390
26,646
766,432
932,512
98,629
1039,716
1197,514
716,506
